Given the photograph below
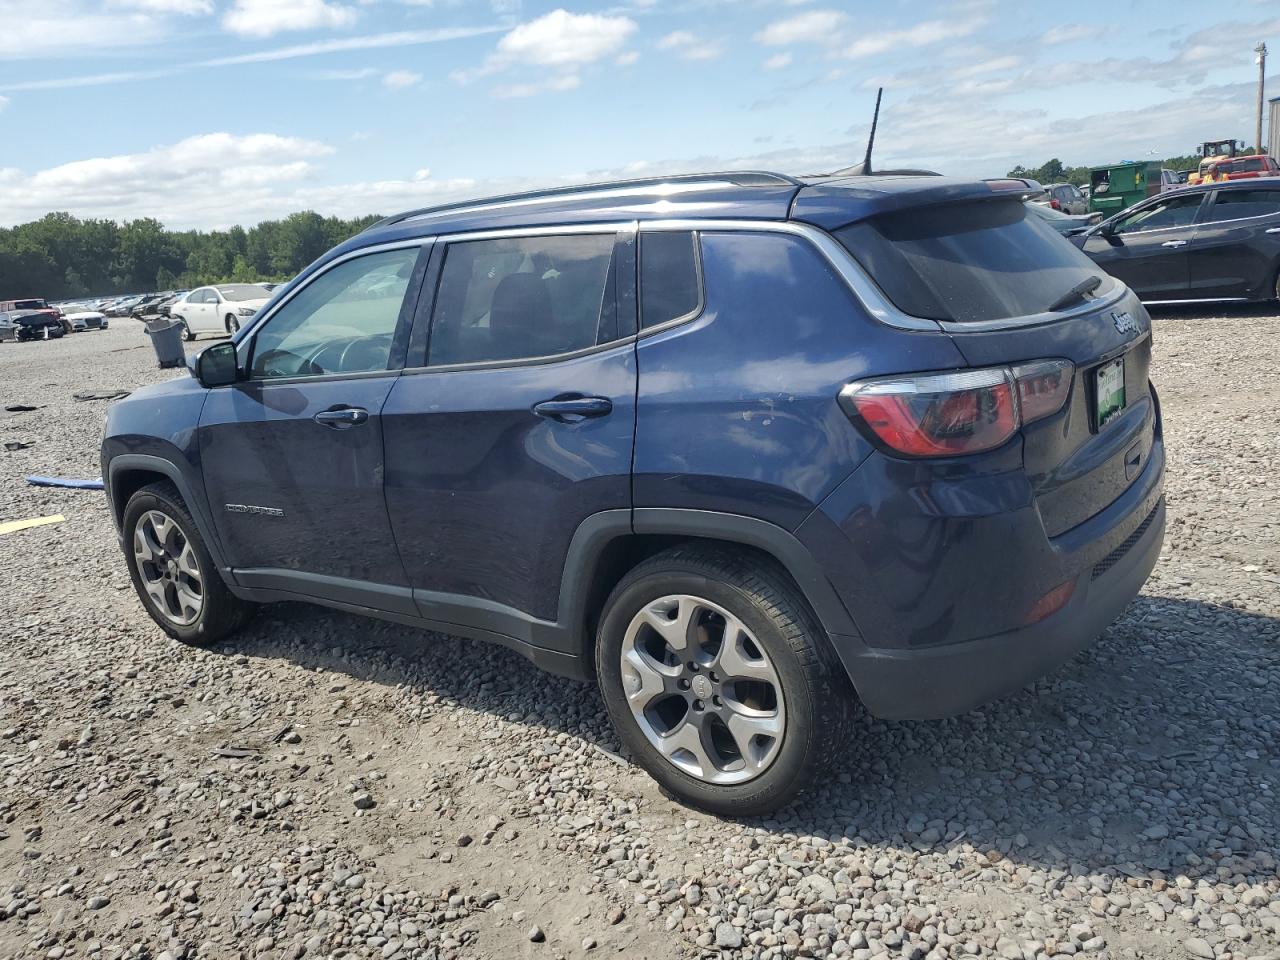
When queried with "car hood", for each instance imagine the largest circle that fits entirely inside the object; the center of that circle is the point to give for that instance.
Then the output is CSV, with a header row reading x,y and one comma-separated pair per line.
x,y
257,304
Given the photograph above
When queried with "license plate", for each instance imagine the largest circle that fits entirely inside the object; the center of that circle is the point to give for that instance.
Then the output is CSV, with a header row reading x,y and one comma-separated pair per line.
x,y
1109,391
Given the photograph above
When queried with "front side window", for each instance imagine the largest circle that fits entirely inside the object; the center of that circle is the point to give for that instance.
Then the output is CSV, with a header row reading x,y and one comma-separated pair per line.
x,y
1241,204
1176,211
521,298
341,322
669,283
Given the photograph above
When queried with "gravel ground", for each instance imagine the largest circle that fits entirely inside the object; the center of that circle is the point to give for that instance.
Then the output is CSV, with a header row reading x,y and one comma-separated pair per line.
x,y
323,785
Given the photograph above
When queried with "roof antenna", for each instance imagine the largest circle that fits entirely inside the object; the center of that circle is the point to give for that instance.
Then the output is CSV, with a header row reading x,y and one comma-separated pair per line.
x,y
871,138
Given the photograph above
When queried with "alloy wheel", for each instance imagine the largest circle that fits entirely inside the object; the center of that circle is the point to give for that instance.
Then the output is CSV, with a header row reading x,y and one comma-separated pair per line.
x,y
702,689
168,568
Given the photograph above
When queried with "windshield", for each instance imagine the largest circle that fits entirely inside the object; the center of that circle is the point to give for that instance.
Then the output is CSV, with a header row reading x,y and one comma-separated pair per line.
x,y
243,291
968,262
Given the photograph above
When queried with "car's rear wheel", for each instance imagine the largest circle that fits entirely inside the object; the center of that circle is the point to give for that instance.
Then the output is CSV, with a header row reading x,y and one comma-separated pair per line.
x,y
173,572
233,324
713,670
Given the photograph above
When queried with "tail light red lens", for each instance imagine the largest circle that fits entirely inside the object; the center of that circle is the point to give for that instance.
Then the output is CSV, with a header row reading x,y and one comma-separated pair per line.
x,y
953,414
1055,204
942,415
1042,387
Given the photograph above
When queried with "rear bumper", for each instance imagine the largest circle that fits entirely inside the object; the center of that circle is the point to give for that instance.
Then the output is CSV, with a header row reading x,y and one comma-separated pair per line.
x,y
944,681
947,625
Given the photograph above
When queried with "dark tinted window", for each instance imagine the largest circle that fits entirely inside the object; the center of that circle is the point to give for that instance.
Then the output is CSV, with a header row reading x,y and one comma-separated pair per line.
x,y
968,261
1177,210
524,297
669,286
1238,204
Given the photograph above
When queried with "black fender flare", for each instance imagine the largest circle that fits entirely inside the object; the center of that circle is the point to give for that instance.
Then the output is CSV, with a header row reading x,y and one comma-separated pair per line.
x,y
196,504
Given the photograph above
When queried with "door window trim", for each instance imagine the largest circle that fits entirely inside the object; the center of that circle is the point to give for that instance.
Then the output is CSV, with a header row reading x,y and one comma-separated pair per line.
x,y
420,342
246,344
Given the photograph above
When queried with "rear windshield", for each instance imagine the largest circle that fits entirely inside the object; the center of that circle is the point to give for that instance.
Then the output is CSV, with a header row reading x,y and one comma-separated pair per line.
x,y
968,262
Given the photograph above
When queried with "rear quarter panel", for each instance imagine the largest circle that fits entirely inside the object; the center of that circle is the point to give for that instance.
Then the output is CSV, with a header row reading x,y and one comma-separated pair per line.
x,y
737,408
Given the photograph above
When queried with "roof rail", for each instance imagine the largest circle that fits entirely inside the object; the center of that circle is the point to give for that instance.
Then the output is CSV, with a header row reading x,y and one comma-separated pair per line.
x,y
738,178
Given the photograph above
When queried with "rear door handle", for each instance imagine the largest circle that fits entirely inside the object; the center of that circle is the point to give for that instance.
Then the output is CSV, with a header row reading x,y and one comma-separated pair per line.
x,y
342,418
573,409
1174,243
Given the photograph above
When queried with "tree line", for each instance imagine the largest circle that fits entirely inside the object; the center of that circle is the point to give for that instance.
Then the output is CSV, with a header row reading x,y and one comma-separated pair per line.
x,y
62,257
1055,171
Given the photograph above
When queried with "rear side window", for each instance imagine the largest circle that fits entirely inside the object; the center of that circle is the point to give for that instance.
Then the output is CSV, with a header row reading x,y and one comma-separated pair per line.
x,y
669,282
967,262
1239,204
521,298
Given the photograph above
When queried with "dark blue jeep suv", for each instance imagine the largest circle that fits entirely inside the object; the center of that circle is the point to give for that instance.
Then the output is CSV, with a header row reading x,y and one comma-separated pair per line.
x,y
739,447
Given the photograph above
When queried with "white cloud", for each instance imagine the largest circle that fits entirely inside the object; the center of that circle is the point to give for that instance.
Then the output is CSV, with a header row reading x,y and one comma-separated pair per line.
x,y
4,102
186,7
815,26
921,35
262,18
560,41
990,65
678,38
41,28
400,79
1070,33
561,38
689,47
555,84
778,61
627,59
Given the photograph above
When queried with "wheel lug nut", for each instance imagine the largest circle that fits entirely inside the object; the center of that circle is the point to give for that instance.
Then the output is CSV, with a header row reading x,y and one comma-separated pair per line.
x,y
697,705
693,666
684,684
717,701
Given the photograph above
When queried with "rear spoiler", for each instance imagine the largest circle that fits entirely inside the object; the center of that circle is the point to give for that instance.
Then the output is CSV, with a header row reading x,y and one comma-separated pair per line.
x,y
1028,188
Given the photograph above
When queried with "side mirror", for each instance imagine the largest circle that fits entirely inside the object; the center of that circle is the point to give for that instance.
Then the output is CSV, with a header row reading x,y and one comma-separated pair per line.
x,y
217,365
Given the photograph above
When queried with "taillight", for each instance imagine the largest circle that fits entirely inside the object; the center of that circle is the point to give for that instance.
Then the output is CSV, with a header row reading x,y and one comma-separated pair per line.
x,y
953,414
1042,387
1055,204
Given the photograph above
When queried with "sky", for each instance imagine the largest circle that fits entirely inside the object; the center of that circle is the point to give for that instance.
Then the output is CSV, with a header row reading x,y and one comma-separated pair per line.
x,y
205,113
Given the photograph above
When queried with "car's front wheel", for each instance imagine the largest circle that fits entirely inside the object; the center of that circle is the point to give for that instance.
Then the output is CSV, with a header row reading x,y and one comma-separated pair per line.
x,y
173,572
233,324
713,670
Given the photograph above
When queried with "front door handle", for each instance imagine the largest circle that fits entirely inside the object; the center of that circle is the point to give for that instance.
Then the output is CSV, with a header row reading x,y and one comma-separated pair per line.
x,y
342,417
1174,243
573,409
1273,230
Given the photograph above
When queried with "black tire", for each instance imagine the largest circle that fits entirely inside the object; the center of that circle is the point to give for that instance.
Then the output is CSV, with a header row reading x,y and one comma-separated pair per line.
x,y
222,612
233,324
186,331
817,694
55,333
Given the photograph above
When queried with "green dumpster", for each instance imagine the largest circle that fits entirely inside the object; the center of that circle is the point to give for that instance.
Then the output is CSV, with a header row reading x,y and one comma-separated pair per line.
x,y
1120,185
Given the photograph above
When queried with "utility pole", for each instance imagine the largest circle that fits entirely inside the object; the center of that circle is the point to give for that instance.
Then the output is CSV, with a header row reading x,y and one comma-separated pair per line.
x,y
1261,51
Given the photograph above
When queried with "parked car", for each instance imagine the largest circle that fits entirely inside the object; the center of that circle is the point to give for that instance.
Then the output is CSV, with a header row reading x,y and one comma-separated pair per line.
x,y
1172,179
738,448
121,307
165,305
148,305
32,325
1065,197
218,309
1216,241
1243,168
37,305
82,320
1065,224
